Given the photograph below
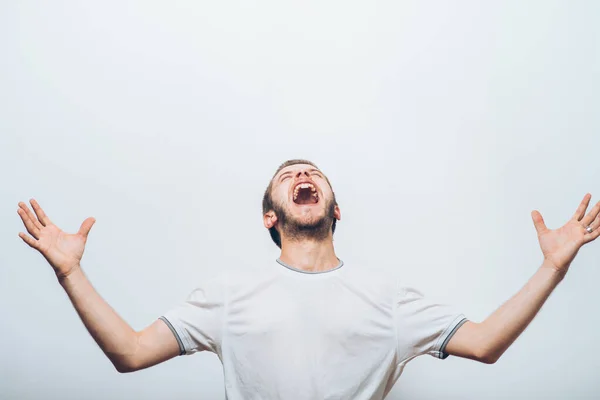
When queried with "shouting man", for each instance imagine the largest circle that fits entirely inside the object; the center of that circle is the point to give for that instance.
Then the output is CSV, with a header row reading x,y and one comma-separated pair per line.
x,y
306,326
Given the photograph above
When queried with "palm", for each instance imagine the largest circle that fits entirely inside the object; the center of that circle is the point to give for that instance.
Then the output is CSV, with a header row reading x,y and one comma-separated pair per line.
x,y
62,250
560,246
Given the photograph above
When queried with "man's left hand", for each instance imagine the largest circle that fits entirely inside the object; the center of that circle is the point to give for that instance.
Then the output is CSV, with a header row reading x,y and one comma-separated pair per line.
x,y
560,246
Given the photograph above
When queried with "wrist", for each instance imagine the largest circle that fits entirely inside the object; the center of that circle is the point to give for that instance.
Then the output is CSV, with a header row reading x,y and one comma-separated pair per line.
x,y
70,275
555,273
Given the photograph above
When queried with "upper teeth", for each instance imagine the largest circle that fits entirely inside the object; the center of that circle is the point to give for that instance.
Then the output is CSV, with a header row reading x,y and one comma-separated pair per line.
x,y
304,186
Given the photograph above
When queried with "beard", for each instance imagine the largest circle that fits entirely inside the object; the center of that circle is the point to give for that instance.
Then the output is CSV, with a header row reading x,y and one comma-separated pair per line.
x,y
295,230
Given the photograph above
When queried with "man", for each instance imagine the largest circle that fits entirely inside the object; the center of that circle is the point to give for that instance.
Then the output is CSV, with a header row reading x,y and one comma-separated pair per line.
x,y
306,326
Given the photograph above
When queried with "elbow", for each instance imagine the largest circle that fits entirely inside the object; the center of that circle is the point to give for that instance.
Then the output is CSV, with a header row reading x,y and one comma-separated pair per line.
x,y
488,357
127,361
124,367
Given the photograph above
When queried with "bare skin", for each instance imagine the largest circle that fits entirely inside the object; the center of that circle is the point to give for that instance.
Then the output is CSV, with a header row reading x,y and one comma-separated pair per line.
x,y
127,349
130,350
488,340
309,255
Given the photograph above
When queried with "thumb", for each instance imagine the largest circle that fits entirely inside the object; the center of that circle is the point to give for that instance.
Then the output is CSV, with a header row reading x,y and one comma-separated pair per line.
x,y
538,222
86,226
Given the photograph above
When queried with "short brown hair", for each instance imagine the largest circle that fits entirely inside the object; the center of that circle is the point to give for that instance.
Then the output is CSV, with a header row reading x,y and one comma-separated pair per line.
x,y
267,203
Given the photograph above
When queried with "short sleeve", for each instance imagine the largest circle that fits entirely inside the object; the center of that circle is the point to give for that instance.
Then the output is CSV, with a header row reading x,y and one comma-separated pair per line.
x,y
423,326
197,322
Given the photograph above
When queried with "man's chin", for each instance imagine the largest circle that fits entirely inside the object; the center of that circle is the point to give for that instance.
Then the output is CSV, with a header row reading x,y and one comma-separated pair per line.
x,y
305,216
307,222
310,220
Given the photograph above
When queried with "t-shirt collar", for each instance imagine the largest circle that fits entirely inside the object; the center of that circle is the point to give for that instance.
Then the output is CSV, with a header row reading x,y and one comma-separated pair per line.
x,y
341,263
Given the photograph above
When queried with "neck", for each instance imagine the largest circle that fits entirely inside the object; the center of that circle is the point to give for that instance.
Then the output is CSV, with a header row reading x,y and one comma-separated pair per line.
x,y
309,255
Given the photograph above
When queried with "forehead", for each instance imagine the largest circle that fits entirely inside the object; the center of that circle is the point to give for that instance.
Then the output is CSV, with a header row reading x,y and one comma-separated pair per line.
x,y
297,167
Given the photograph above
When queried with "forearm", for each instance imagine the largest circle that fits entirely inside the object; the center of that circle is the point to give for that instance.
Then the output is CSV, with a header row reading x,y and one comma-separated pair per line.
x,y
503,326
114,336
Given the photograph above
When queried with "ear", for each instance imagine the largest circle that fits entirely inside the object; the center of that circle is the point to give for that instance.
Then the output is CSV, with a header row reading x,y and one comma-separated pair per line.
x,y
337,213
270,219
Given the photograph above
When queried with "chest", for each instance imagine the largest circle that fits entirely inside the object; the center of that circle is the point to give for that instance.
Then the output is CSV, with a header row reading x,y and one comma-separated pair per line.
x,y
317,341
318,314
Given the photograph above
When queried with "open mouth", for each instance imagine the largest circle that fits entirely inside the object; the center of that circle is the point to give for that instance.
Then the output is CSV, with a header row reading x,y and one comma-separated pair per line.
x,y
305,193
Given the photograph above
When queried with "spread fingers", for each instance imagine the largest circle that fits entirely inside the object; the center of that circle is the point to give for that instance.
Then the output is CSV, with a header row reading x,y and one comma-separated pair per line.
x,y
29,240
43,218
33,226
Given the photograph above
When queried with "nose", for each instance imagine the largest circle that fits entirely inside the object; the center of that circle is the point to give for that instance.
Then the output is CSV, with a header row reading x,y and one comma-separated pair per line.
x,y
299,174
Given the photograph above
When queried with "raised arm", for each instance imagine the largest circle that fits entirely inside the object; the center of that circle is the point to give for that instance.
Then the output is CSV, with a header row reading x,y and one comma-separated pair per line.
x,y
127,349
488,340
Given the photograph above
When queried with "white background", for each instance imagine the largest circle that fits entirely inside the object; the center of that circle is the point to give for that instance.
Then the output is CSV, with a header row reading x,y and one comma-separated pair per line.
x,y
440,124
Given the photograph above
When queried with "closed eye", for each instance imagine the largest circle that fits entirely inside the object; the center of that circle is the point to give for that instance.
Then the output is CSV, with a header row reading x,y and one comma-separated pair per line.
x,y
286,175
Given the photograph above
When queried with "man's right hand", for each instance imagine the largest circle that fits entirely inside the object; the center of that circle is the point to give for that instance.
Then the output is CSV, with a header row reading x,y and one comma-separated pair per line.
x,y
62,250
127,349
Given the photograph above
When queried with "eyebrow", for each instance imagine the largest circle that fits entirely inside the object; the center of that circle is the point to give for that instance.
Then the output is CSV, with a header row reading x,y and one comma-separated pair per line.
x,y
284,174
290,172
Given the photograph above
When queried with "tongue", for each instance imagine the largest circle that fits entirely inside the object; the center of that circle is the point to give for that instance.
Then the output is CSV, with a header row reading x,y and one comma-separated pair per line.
x,y
305,196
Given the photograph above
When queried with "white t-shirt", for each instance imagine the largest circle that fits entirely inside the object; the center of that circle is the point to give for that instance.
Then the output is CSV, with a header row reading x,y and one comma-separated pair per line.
x,y
283,333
